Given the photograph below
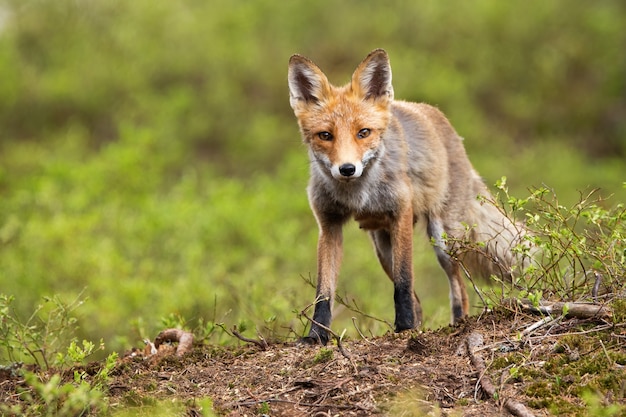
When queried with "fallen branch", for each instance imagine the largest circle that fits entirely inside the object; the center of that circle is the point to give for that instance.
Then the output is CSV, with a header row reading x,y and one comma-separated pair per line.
x,y
573,309
184,339
540,323
581,332
474,341
262,343
299,404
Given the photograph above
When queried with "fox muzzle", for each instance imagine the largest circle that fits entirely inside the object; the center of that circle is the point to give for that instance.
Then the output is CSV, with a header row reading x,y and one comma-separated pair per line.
x,y
347,171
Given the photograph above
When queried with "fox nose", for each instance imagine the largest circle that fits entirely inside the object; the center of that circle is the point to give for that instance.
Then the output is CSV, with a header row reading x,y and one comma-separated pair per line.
x,y
347,170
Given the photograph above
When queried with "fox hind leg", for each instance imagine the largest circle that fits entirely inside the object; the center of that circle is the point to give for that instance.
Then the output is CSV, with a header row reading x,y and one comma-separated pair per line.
x,y
382,245
407,304
459,300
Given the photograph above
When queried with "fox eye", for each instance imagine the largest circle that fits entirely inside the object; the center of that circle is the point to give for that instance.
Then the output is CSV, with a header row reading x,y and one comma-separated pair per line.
x,y
363,133
325,136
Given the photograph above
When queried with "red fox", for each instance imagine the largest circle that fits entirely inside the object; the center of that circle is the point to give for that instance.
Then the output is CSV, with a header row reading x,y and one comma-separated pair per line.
x,y
389,164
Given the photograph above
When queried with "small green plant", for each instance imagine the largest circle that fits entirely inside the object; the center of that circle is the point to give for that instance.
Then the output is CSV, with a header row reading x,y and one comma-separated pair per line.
x,y
535,297
323,355
53,397
580,248
41,338
264,409
174,321
205,329
46,340
102,376
596,407
576,254
43,395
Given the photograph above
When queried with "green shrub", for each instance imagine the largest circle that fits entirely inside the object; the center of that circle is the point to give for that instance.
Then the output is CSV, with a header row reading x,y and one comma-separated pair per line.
x,y
47,339
575,253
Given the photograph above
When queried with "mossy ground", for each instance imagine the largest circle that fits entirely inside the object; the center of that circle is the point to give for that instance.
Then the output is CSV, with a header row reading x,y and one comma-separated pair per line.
x,y
573,368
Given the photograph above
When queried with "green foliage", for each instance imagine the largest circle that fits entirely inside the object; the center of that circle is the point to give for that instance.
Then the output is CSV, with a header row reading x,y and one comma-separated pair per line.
x,y
77,354
577,255
578,251
55,398
535,297
43,394
166,408
264,409
597,408
47,340
42,338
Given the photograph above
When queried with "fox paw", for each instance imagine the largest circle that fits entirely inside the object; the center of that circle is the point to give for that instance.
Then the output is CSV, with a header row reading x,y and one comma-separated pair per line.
x,y
315,338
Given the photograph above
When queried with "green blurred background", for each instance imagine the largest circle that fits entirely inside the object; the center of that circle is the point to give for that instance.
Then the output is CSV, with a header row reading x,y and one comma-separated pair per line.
x,y
150,160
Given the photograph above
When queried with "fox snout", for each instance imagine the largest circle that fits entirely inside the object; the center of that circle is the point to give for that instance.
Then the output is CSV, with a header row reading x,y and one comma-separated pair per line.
x,y
347,171
351,167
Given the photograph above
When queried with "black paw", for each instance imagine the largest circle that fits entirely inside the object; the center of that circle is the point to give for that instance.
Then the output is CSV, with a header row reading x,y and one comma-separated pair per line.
x,y
404,325
309,341
315,337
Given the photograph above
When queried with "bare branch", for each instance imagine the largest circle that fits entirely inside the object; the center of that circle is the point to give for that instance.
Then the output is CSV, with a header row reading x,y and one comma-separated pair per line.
x,y
473,342
262,343
573,309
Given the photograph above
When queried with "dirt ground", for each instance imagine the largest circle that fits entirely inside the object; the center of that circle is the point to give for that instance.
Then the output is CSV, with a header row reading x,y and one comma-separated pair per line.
x,y
408,374
398,374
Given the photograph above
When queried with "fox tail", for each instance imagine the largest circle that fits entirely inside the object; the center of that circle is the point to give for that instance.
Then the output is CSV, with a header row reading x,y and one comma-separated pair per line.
x,y
494,244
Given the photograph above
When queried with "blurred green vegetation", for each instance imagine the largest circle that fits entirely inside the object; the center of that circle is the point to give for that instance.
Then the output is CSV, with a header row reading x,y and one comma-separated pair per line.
x,y
149,157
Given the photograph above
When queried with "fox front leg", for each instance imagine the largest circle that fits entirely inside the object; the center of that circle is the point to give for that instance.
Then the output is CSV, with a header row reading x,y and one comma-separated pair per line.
x,y
407,305
459,300
329,254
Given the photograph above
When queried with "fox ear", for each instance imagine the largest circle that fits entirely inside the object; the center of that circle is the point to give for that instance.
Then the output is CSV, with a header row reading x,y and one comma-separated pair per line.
x,y
307,83
372,78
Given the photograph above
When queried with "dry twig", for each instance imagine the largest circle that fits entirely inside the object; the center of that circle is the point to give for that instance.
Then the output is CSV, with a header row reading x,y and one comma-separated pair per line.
x,y
261,342
332,332
350,306
335,335
540,323
361,333
474,341
573,309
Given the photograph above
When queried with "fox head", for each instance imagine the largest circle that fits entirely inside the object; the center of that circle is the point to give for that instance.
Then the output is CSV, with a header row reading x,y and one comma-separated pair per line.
x,y
343,126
